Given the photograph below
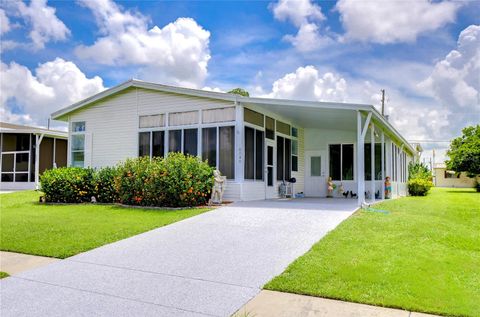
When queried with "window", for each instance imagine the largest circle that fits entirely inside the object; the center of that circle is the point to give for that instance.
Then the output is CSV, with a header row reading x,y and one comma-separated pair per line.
x,y
209,146
283,128
158,145
254,147
153,121
368,161
78,150
190,141
316,166
151,143
284,153
183,118
341,162
253,117
175,141
144,144
269,128
78,126
218,115
225,149
78,144
294,150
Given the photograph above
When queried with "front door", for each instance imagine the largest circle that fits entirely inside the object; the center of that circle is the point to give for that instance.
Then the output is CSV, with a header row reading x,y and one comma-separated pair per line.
x,y
315,181
270,188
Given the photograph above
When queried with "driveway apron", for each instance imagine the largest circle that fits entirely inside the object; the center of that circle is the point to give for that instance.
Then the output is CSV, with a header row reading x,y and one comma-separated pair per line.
x,y
207,265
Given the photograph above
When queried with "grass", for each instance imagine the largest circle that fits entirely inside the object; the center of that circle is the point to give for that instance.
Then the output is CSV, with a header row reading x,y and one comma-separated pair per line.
x,y
3,275
61,231
422,256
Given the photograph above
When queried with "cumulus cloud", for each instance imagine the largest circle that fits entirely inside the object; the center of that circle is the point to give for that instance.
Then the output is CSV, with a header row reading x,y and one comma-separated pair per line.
x,y
306,83
31,98
4,22
305,15
45,25
455,81
393,21
177,54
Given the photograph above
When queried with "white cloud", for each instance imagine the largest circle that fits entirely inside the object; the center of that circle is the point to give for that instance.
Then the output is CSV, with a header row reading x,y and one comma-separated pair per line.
x,y
297,11
177,54
45,25
393,21
306,83
31,98
305,15
4,22
455,80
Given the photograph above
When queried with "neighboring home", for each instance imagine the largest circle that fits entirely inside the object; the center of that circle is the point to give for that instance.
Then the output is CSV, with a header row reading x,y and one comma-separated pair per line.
x,y
445,178
257,143
22,160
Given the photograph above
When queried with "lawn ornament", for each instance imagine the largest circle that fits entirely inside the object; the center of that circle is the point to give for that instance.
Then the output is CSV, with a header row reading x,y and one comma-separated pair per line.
x,y
330,188
345,194
341,190
352,194
220,183
388,188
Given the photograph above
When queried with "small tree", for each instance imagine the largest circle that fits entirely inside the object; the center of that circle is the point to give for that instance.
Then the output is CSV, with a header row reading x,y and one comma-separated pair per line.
x,y
239,91
464,152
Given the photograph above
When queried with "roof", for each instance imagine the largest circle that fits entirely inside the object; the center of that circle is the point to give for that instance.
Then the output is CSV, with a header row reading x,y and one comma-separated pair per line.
x,y
6,127
379,118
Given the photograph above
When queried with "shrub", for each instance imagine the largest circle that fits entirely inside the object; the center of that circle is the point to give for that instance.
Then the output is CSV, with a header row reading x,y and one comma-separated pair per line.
x,y
419,170
419,186
68,184
175,181
104,184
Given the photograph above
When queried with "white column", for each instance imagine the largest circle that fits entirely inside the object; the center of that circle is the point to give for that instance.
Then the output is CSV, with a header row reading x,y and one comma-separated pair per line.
x,y
372,158
239,140
360,161
38,141
382,190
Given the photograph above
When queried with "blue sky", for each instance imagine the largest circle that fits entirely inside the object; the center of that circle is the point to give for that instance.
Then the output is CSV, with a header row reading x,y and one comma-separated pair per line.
x,y
424,53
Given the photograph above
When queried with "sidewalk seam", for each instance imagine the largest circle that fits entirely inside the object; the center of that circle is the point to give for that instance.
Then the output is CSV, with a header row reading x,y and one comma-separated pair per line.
x,y
114,296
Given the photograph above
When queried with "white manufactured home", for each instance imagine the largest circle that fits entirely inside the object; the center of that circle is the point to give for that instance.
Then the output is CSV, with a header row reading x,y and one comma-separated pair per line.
x,y
257,143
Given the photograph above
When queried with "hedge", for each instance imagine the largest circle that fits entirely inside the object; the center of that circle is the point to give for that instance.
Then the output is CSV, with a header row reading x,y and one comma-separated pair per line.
x,y
175,181
419,186
68,184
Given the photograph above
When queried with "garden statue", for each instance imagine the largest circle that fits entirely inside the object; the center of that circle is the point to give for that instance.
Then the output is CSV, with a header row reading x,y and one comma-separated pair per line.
x,y
341,190
330,188
218,188
388,188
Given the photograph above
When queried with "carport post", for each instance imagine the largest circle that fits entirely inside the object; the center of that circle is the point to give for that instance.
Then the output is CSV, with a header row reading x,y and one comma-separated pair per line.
x,y
372,158
361,132
382,191
38,141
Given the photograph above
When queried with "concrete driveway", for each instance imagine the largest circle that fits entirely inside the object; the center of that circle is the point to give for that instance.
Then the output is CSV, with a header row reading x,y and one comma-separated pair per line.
x,y
208,265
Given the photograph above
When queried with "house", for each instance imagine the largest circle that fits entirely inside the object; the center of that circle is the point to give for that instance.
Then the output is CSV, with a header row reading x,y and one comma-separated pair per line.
x,y
257,143
26,152
445,178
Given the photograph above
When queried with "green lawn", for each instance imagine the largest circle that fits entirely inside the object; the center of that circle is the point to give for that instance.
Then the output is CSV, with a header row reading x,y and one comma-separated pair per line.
x,y
423,256
61,231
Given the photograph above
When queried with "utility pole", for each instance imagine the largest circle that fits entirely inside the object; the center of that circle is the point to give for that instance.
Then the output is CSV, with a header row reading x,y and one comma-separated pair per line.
x,y
383,101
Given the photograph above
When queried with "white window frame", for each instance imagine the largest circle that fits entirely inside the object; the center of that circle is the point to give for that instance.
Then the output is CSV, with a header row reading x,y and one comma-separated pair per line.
x,y
341,161
72,134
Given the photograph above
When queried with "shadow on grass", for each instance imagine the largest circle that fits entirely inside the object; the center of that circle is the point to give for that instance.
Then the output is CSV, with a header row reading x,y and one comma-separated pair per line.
x,y
462,192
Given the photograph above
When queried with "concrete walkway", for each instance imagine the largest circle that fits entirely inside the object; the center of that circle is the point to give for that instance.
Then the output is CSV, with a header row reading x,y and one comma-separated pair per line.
x,y
208,265
14,263
278,304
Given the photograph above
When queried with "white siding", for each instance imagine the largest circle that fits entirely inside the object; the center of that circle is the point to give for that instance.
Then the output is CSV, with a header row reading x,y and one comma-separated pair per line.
x,y
114,122
113,125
